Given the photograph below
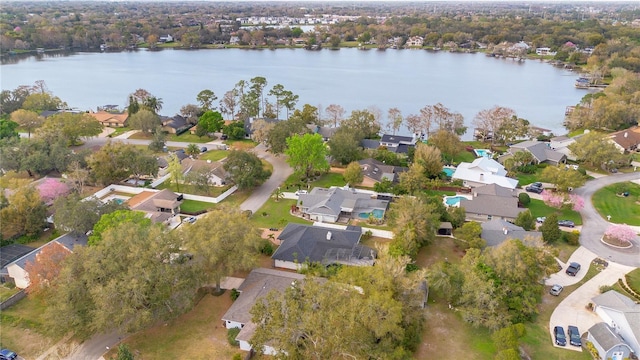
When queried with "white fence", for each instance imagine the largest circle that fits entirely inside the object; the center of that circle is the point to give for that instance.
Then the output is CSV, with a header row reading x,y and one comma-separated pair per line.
x,y
136,190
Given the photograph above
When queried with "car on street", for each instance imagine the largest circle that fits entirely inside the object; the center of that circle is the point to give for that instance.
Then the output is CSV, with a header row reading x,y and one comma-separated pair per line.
x,y
541,219
203,149
558,334
534,189
566,223
556,290
574,336
573,269
6,354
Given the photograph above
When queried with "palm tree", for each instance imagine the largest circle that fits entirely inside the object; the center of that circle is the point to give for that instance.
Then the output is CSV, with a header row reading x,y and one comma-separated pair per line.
x,y
153,103
278,194
192,149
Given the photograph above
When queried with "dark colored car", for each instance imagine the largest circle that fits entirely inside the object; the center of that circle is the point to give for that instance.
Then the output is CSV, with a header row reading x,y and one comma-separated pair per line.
x,y
534,189
566,223
6,354
573,269
574,336
556,290
558,334
536,184
224,137
203,149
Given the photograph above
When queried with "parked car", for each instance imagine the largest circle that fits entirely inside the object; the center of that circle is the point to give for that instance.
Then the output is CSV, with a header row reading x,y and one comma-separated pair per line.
x,y
558,334
300,192
566,223
536,184
191,219
573,269
6,354
534,189
203,149
541,219
224,137
574,336
556,290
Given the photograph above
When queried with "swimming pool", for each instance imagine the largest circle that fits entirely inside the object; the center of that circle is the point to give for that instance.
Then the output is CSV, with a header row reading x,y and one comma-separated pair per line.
x,y
453,200
377,213
449,171
482,152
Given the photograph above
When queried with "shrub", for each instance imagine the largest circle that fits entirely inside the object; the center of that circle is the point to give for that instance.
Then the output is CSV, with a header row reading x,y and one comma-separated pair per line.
x,y
234,294
237,356
571,238
231,336
605,288
524,199
266,248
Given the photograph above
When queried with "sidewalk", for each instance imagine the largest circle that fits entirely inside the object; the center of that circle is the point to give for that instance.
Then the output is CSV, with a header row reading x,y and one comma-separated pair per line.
x,y
126,134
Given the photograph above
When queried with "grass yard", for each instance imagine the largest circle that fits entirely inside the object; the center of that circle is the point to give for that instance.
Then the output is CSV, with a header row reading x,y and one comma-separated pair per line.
x,y
214,155
623,210
119,131
24,330
198,334
141,135
276,214
193,206
294,182
214,191
6,292
464,156
538,209
188,137
633,280
244,144
526,179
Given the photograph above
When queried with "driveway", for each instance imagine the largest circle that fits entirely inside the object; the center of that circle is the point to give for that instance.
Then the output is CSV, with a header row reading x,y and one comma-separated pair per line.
x,y
572,310
582,256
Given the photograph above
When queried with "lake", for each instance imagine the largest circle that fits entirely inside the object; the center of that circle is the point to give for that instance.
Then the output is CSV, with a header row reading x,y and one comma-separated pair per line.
x,y
355,79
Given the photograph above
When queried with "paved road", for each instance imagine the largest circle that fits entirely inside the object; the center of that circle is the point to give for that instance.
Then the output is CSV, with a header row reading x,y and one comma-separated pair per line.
x,y
281,171
594,225
96,347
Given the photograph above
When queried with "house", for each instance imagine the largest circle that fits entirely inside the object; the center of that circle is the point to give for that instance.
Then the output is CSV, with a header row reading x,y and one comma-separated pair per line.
x,y
621,315
608,344
17,269
175,125
300,244
483,171
329,205
111,119
415,41
375,171
9,254
544,51
541,152
627,140
561,145
491,202
324,131
161,206
398,144
218,176
496,231
166,39
256,286
248,125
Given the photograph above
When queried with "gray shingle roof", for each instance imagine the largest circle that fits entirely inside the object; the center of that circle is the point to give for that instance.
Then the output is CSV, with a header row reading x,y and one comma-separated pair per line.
x,y
69,241
492,205
303,242
493,232
333,201
603,334
496,190
13,252
540,150
379,171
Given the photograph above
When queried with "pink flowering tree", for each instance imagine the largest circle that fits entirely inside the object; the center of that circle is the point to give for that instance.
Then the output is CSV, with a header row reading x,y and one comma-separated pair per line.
x,y
622,233
50,189
552,199
576,201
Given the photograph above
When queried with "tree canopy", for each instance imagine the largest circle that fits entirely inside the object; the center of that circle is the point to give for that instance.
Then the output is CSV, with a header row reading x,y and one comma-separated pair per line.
x,y
307,154
245,169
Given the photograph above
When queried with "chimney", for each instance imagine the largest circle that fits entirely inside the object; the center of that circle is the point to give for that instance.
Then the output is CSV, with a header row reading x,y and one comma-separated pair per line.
x,y
481,177
328,235
626,134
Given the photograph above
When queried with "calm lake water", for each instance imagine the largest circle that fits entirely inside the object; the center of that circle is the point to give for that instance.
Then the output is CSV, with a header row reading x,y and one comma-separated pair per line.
x,y
354,79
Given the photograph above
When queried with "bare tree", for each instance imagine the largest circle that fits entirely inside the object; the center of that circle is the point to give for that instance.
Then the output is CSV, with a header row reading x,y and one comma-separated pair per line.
x,y
413,123
487,122
229,102
335,113
395,119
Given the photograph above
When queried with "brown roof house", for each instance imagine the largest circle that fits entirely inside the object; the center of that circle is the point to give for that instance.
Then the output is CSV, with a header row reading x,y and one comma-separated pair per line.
x,y
161,206
218,176
491,202
110,119
256,286
627,140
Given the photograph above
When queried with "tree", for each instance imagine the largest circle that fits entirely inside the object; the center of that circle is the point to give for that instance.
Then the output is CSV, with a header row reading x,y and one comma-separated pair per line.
x,y
457,216
430,158
395,119
39,102
29,120
488,122
111,219
50,189
191,113
260,130
512,129
289,101
45,268
448,143
277,194
593,149
344,146
153,104
116,161
229,102
77,176
525,220
414,224
223,242
24,214
335,112
201,179
258,84
144,120
353,174
550,230
158,140
8,129
78,216
307,154
124,353
234,130
69,127
132,278
245,169
623,233
413,180
175,170
563,178
277,141
206,98
193,150
362,122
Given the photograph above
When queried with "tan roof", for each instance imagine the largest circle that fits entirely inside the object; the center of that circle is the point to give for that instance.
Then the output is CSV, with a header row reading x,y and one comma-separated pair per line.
x,y
627,138
103,116
139,198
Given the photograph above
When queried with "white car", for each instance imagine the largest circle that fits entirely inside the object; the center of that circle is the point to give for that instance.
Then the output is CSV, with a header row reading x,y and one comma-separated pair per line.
x,y
191,219
300,192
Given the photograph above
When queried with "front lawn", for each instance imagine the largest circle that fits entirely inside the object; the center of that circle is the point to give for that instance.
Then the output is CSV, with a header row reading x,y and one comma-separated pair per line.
x,y
538,208
276,214
188,138
244,144
633,280
193,206
119,131
623,210
214,155
526,179
326,180
464,156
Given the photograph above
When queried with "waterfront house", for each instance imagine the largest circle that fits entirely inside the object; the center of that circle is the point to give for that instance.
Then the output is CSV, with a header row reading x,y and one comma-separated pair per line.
x,y
324,131
541,152
300,244
339,204
627,140
561,145
111,119
415,41
490,202
483,171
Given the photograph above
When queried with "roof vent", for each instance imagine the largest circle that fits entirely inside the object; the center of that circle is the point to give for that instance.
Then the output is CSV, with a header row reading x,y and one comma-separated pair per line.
x,y
626,134
328,235
208,161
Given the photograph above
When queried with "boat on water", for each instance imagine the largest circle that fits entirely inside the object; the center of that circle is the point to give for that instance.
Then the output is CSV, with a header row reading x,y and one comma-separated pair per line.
x,y
582,83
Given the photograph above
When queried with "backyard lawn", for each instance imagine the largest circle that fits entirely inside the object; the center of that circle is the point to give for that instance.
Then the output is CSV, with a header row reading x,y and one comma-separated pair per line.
x,y
276,214
214,191
623,210
193,206
538,209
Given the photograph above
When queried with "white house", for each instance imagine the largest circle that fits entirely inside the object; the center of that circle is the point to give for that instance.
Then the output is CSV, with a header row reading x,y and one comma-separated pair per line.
x,y
483,171
257,285
621,315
